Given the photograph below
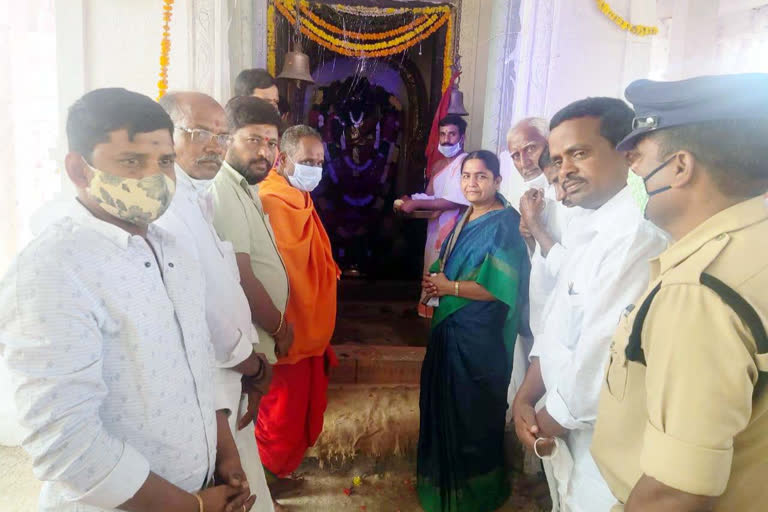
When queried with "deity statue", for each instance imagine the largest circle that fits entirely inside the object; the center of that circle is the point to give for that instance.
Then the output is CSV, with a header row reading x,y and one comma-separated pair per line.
x,y
360,125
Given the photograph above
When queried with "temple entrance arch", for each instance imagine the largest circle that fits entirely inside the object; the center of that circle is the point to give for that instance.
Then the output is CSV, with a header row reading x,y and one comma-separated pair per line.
x,y
374,112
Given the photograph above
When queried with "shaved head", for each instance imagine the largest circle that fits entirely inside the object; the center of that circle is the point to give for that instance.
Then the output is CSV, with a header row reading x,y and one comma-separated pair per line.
x,y
196,117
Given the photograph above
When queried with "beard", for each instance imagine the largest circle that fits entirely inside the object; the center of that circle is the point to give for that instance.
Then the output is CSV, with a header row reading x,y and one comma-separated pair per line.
x,y
254,170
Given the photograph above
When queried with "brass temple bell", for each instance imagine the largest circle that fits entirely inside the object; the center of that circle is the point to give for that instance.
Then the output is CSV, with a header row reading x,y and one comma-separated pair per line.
x,y
456,103
296,66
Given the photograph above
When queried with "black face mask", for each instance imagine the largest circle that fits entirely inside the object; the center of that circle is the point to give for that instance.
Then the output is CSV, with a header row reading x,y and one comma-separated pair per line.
x,y
650,175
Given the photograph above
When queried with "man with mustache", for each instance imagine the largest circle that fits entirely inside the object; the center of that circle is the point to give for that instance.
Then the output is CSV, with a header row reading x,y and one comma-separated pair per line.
x,y
201,140
102,328
239,218
608,248
443,194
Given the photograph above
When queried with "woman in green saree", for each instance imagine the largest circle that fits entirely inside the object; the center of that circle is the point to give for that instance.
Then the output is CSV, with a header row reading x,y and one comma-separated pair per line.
x,y
481,280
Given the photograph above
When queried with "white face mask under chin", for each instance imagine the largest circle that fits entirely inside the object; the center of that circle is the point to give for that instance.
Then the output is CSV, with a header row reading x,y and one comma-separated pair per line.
x,y
539,182
201,185
450,151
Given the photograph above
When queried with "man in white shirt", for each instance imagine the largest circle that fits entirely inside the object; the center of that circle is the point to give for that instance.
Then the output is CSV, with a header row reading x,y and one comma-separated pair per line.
x,y
102,326
606,269
527,142
202,138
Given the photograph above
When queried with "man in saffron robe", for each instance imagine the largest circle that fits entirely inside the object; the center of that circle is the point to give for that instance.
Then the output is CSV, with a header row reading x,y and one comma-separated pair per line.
x,y
291,413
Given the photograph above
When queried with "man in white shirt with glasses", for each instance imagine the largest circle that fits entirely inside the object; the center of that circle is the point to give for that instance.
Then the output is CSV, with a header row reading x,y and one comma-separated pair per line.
x,y
201,141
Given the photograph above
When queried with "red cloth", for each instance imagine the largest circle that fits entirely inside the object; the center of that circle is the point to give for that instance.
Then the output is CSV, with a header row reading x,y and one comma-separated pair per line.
x,y
291,413
432,154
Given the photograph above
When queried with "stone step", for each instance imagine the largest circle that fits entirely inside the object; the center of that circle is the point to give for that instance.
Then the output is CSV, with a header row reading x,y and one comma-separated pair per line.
x,y
377,365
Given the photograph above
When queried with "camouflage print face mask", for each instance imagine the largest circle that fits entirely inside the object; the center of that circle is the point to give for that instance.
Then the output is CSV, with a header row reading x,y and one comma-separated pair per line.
x,y
138,201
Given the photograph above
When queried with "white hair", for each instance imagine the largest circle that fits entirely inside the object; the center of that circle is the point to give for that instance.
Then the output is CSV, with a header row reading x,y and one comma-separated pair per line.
x,y
540,124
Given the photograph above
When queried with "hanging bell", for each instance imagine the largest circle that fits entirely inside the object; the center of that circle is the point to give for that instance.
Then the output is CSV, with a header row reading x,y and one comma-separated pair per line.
x,y
456,103
296,66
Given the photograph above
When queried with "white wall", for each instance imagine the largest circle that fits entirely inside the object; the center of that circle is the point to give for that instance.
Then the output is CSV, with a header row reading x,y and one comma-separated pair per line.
x,y
115,43
592,56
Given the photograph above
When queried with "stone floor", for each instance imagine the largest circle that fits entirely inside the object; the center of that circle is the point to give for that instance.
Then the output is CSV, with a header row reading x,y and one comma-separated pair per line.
x,y
387,486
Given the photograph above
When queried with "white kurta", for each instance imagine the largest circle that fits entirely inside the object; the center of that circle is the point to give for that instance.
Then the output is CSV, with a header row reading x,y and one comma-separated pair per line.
x,y
541,283
111,362
606,269
190,219
444,185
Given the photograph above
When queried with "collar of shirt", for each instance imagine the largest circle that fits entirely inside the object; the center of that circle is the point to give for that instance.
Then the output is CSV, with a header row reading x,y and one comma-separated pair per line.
x,y
736,217
235,176
80,215
614,215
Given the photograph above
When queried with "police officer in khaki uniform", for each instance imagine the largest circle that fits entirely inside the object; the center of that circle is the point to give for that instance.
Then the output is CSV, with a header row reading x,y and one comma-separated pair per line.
x,y
683,417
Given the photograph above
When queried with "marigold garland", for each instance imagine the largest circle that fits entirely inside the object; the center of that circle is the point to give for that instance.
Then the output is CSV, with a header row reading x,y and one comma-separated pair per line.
x,y
314,28
448,54
373,36
165,49
437,18
271,41
640,30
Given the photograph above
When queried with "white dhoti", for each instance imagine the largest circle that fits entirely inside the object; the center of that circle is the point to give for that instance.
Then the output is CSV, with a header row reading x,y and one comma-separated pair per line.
x,y
229,385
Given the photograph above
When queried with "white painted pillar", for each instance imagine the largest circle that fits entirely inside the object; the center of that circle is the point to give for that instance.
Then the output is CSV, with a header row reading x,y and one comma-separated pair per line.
x,y
693,34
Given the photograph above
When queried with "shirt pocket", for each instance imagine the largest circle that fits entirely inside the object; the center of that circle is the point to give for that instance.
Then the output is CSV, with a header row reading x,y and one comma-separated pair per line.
x,y
616,376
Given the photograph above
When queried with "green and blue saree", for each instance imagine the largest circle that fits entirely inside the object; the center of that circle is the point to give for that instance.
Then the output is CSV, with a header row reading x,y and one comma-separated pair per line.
x,y
467,367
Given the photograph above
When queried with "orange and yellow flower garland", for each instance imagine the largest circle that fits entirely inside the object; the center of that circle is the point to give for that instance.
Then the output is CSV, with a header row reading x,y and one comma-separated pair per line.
x,y
271,41
391,42
372,36
435,17
165,49
640,30
448,55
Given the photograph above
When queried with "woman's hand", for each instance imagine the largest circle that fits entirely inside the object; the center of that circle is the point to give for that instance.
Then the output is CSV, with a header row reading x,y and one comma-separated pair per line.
x,y
438,285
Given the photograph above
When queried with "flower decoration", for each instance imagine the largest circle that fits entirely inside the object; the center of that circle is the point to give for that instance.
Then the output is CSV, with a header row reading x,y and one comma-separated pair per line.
x,y
639,30
271,42
165,49
425,21
353,44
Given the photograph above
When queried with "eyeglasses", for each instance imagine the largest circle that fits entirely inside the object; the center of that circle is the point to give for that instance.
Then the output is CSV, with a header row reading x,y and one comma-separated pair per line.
x,y
201,136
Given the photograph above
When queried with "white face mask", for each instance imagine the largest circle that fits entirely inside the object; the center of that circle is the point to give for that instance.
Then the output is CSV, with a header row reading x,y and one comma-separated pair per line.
x,y
450,151
539,182
305,177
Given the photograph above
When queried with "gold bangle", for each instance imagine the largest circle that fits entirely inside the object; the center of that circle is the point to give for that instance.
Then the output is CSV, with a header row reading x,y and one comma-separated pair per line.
x,y
200,505
279,326
456,288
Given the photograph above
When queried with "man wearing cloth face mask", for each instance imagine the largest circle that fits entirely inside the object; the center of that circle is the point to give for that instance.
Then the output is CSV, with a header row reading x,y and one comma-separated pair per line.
x,y
202,139
102,326
291,414
683,417
443,194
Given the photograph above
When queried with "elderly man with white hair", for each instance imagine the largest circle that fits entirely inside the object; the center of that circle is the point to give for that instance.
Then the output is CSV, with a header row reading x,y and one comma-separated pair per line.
x,y
520,169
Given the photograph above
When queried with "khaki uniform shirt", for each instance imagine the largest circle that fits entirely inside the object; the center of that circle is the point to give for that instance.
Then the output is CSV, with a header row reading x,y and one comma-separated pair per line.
x,y
696,416
240,219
